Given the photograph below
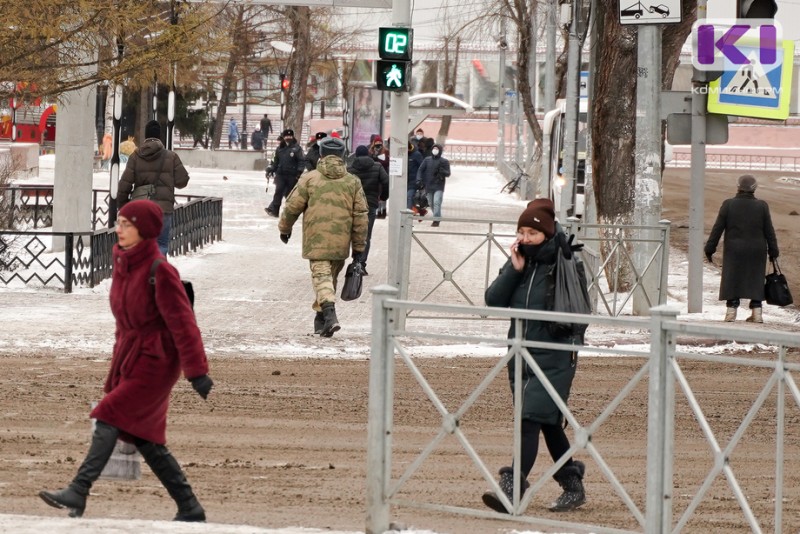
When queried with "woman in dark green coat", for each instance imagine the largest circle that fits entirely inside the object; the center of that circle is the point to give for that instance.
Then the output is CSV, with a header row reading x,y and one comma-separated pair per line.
x,y
525,281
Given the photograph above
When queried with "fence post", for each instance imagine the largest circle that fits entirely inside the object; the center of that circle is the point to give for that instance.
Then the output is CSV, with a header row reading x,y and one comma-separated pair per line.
x,y
379,425
404,257
662,290
69,242
660,423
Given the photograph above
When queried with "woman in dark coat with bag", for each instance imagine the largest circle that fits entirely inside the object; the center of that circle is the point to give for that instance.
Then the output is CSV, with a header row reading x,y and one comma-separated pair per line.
x,y
375,182
525,282
749,238
156,338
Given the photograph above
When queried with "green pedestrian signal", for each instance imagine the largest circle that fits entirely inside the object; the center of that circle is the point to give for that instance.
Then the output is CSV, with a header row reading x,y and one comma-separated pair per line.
x,y
393,75
395,43
393,72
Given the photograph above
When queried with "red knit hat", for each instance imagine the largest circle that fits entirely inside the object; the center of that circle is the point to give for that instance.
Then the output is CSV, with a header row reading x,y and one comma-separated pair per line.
x,y
146,216
539,215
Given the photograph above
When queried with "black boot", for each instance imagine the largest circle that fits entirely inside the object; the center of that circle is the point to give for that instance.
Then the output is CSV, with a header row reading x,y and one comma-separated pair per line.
x,y
506,484
104,439
570,478
166,468
331,322
319,322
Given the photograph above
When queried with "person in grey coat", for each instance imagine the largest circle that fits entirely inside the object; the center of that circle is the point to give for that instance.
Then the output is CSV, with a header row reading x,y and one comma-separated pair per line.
x,y
526,281
749,238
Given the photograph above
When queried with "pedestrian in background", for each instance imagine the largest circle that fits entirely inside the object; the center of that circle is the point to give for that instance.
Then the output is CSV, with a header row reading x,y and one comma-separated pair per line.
x,y
415,160
266,126
375,182
156,337
525,282
287,166
335,222
749,239
312,154
432,175
257,139
152,164
233,134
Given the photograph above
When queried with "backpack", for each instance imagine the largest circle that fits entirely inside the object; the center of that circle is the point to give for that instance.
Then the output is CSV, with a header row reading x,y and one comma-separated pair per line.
x,y
187,286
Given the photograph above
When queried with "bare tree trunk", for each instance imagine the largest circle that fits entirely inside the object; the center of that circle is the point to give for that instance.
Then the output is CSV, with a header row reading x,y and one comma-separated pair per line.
x,y
450,77
228,78
299,66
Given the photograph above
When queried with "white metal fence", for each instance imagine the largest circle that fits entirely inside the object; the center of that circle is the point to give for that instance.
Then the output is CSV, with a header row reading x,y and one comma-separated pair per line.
x,y
668,367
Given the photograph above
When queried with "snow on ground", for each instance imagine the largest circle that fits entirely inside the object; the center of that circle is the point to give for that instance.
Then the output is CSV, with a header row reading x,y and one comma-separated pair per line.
x,y
252,286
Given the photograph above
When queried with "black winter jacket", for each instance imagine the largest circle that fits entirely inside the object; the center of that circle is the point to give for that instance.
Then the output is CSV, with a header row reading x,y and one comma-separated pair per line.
x,y
530,290
434,171
374,179
415,159
289,161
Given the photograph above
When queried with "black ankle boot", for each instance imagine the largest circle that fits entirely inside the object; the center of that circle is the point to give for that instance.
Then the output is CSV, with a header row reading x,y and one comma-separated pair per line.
x,y
319,323
506,484
570,478
169,472
331,322
73,497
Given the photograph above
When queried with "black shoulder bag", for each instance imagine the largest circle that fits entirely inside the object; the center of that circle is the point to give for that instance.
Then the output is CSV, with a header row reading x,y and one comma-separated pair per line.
x,y
187,286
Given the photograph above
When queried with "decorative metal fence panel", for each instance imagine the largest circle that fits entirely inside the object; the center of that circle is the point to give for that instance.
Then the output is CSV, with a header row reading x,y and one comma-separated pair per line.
x,y
35,258
26,206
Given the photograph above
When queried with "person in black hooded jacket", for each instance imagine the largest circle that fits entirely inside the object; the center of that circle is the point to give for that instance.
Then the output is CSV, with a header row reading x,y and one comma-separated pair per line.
x,y
375,182
432,174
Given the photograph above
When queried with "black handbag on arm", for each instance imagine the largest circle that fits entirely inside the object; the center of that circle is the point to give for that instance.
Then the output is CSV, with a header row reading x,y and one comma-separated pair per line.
x,y
776,288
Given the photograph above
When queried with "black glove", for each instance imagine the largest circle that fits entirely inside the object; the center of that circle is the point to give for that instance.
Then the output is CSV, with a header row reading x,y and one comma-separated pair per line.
x,y
708,257
202,385
419,185
357,257
285,237
773,257
270,171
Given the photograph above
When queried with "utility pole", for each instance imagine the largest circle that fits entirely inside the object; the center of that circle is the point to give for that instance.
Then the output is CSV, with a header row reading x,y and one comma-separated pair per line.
x,y
696,192
647,194
571,115
501,97
549,93
398,153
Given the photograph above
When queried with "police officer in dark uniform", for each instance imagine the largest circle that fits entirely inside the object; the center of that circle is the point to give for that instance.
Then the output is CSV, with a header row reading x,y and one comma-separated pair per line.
x,y
287,166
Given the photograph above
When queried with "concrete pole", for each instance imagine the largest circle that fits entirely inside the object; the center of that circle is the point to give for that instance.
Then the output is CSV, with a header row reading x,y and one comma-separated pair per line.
x,y
398,153
647,201
72,177
501,99
696,193
549,94
571,115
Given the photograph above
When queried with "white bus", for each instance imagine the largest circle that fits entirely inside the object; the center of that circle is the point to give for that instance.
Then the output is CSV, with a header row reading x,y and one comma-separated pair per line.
x,y
554,127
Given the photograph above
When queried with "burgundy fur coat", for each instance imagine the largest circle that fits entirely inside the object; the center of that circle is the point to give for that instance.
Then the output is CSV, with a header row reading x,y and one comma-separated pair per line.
x,y
156,338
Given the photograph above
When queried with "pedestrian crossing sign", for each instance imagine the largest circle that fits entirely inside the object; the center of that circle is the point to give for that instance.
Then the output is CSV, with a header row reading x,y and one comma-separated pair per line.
x,y
754,89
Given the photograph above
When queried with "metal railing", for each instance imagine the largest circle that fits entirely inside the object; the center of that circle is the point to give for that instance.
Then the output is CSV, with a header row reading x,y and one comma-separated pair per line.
x,y
27,257
464,251
403,485
751,162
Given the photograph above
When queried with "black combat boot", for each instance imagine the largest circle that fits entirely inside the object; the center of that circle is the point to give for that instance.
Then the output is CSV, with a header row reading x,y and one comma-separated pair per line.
x,y
166,468
570,478
331,322
319,322
104,439
506,484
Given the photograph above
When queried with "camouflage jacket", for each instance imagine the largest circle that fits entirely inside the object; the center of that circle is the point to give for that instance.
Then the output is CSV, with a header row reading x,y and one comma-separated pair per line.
x,y
334,211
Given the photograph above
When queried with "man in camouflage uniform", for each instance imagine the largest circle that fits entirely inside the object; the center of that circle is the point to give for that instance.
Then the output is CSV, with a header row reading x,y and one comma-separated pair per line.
x,y
335,220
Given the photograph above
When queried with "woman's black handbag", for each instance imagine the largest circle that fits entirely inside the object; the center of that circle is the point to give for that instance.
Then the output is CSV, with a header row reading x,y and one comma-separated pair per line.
x,y
352,281
776,289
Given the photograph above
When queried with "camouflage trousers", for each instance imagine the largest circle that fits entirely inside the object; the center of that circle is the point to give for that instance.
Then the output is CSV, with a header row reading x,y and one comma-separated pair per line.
x,y
324,274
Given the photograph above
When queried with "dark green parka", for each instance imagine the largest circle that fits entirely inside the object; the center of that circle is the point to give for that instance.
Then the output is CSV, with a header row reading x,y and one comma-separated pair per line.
x,y
529,290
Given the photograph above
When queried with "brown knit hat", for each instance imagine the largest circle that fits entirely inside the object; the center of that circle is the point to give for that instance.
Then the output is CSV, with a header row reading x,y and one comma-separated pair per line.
x,y
146,216
539,215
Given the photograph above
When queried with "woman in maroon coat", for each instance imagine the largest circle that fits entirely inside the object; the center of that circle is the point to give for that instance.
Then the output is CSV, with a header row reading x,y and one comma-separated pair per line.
x,y
156,338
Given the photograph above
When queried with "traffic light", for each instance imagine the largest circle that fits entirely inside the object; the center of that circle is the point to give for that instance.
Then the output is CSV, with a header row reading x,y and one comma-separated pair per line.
x,y
284,83
393,71
757,9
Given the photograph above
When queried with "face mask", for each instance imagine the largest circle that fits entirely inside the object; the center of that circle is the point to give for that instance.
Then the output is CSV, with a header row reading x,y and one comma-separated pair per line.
x,y
381,157
435,152
418,136
529,251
